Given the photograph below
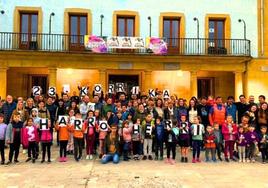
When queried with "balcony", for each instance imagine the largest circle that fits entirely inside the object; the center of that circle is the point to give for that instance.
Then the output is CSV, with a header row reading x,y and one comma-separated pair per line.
x,y
75,44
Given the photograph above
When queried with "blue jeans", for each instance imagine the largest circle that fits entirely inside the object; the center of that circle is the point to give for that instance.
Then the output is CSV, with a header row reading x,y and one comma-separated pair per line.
x,y
196,148
110,157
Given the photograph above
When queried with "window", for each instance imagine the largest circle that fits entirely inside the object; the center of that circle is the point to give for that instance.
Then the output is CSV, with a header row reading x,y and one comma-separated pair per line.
x,y
77,30
126,26
171,32
28,30
216,33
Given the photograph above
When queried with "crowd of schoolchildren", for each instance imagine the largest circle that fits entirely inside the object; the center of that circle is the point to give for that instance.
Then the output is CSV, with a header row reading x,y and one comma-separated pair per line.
x,y
138,126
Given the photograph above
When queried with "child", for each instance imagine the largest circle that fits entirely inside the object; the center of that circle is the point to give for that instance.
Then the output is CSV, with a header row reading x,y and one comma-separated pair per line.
x,y
159,137
70,144
78,139
210,144
46,142
147,129
197,131
184,138
263,145
90,134
63,131
219,140
36,122
172,133
30,138
229,131
241,144
252,141
3,128
136,139
13,137
127,139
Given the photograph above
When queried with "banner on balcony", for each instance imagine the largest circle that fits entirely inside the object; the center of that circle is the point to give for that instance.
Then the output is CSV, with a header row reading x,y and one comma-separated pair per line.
x,y
156,45
126,42
95,43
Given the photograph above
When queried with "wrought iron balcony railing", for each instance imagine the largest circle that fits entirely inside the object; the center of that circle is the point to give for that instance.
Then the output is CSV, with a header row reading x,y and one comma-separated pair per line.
x,y
75,43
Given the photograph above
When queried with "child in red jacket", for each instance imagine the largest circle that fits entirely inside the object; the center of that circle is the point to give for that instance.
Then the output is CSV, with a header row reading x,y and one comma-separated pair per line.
x,y
229,131
210,144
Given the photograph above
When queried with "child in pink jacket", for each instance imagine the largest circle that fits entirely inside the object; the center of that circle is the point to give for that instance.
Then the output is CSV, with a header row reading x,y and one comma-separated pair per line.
x,y
127,131
229,131
30,138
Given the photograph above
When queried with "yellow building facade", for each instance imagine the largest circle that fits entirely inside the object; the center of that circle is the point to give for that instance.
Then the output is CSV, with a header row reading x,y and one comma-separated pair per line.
x,y
181,74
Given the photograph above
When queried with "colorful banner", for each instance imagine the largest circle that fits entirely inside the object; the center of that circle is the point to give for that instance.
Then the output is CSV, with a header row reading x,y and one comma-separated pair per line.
x,y
99,45
96,44
126,42
157,45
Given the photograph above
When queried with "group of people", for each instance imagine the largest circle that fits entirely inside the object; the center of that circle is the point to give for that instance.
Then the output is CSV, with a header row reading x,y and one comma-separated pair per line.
x,y
137,127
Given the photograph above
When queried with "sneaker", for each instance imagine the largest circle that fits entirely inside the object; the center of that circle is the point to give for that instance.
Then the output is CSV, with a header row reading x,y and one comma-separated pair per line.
x,y
64,159
167,160
90,157
233,159
61,159
16,161
150,157
198,160
214,160
253,160
87,157
125,159
193,160
172,161
8,163
161,158
76,159
49,161
227,160
2,162
220,158
144,157
42,161
28,159
240,161
207,160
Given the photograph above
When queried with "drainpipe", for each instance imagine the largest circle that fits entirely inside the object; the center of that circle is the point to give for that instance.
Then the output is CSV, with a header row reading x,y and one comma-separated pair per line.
x,y
262,27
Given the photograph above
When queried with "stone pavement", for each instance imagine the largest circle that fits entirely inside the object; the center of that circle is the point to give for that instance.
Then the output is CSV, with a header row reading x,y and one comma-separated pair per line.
x,y
132,174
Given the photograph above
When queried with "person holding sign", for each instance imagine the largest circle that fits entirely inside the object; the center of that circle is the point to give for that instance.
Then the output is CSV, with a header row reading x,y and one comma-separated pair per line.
x,y
172,134
147,129
159,137
78,130
90,131
127,139
46,139
63,128
111,146
197,131
30,138
136,139
13,137
184,137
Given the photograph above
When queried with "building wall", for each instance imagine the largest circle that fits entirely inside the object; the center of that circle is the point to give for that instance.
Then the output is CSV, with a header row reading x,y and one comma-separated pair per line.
x,y
190,8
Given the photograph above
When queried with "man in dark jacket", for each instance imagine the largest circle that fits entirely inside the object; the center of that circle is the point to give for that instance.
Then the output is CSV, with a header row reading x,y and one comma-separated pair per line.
x,y
8,108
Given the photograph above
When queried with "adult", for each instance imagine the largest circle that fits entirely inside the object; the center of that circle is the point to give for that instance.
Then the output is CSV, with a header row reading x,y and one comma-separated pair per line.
x,y
242,107
261,100
98,104
75,97
52,108
24,115
159,108
217,112
181,109
8,108
170,112
84,107
112,147
251,100
66,100
107,107
140,113
192,110
252,114
151,108
29,105
262,118
231,108
203,111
